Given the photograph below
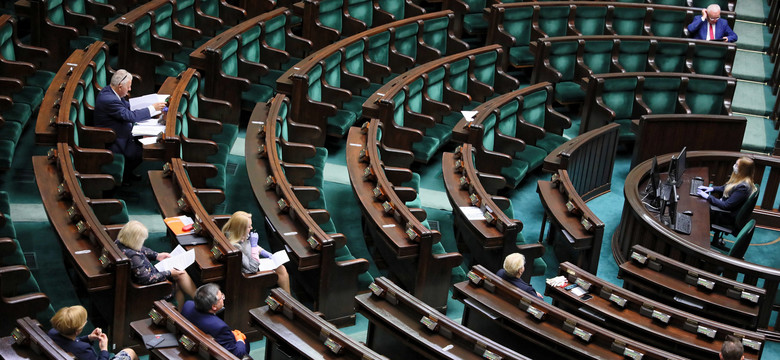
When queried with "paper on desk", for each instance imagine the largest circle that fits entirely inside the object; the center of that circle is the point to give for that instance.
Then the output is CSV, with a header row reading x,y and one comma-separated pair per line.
x,y
148,130
141,102
148,140
472,212
180,259
469,115
277,259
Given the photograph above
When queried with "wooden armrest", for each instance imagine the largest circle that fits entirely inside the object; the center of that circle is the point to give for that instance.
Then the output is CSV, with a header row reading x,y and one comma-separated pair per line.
x,y
404,193
251,71
106,207
213,108
7,246
197,150
95,137
13,275
18,69
80,21
29,53
9,86
201,128
296,153
418,214
306,194
94,185
398,175
90,161
165,46
335,96
297,173
185,34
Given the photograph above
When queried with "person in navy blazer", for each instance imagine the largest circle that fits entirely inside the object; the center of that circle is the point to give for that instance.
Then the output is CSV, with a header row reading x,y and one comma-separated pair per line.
x,y
201,311
700,27
112,111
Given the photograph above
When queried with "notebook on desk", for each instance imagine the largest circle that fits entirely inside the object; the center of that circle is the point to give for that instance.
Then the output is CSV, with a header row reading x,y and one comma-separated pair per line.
x,y
155,341
191,239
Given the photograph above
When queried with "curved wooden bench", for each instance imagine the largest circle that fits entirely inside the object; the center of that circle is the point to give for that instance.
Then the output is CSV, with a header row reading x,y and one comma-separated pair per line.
x,y
498,234
29,341
409,247
278,168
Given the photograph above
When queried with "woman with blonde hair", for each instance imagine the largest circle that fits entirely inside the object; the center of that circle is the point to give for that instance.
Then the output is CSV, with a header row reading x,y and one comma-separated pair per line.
x,y
131,241
68,323
238,230
734,194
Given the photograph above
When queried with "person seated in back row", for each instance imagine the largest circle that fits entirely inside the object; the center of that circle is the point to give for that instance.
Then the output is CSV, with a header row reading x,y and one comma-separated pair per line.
x,y
68,323
514,266
709,26
734,194
202,312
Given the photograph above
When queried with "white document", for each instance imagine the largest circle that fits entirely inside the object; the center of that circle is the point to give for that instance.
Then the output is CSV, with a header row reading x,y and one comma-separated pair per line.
x,y
141,102
148,140
180,259
277,259
469,115
472,212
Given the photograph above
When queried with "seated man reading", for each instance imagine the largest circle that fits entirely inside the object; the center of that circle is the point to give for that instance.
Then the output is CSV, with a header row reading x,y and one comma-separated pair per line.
x,y
201,312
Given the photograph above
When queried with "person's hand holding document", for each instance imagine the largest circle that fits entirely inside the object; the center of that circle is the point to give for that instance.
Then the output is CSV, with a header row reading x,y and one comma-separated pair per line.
x,y
277,259
179,259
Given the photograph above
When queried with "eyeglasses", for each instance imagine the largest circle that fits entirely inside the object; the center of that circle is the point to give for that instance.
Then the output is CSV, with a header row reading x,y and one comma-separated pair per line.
x,y
123,79
713,19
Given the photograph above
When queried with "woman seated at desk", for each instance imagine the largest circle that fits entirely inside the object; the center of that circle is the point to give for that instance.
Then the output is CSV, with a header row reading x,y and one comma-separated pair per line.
x,y
734,194
131,241
238,230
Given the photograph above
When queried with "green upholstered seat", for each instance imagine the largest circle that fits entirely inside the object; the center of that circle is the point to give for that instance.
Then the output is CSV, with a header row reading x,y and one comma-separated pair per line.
x,y
393,7
484,67
405,41
7,230
122,217
590,20
318,162
362,10
563,58
191,109
569,92
332,77
116,167
628,21
633,55
7,149
660,94
436,32
760,134
597,55
539,266
709,60
517,22
507,125
474,22
379,48
705,96
671,57
668,23
554,20
674,2
40,79
519,168
256,92
535,112
330,13
618,95
11,131
339,123
18,113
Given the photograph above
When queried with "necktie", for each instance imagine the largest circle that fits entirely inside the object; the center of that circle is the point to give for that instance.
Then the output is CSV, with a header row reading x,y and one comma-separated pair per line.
x,y
712,32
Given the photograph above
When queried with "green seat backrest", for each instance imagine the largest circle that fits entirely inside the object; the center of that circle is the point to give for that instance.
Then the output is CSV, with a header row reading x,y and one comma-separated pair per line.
x,y
77,6
668,23
330,13
143,34
415,97
459,75
398,108
183,126
670,56
362,10
633,55
192,92
704,3
379,48
590,20
333,69
709,60
489,135
101,71
554,20
535,107
276,32
353,57
563,57
397,8
210,7
283,132
315,83
597,55
6,42
250,44
475,6
485,67
628,21
705,96
435,33
507,123
185,12
676,2
406,40
78,106
435,88
89,89
163,21
517,22
660,94
55,11
229,53
618,95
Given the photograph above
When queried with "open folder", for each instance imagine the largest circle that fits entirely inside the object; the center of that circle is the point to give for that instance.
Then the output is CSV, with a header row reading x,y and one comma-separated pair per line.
x,y
277,259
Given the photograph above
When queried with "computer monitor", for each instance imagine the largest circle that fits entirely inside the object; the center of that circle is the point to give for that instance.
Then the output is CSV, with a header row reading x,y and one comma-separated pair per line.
x,y
651,189
681,159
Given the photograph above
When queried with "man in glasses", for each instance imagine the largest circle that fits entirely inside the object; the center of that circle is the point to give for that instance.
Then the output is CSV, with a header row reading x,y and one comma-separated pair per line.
x,y
709,26
202,311
112,110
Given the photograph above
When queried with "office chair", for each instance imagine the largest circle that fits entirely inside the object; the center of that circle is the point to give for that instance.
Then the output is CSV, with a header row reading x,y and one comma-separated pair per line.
x,y
743,241
739,222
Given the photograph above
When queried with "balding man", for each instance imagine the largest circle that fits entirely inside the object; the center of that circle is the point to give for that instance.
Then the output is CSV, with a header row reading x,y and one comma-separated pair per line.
x,y
709,26
112,110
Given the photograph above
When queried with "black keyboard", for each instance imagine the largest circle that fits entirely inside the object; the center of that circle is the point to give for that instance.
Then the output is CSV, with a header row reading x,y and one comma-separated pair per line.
x,y
695,183
683,224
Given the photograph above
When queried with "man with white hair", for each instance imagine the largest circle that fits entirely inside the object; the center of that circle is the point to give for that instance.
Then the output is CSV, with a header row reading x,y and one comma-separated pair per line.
x,y
709,26
112,111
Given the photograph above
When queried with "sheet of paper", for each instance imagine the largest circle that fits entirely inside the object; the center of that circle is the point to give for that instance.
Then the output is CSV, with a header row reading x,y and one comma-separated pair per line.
x,y
180,260
148,140
277,259
472,212
469,115
141,102
148,130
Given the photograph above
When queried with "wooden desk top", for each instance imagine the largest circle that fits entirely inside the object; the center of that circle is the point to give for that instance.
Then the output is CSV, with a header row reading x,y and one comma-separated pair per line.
x,y
700,221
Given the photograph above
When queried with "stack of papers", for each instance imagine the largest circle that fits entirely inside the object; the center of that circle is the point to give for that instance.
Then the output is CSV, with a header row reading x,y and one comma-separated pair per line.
x,y
148,127
180,259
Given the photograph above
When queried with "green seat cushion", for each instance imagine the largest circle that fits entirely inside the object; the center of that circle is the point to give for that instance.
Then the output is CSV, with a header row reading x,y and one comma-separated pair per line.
x,y
121,217
41,79
521,56
256,94
270,78
533,155
19,112
425,149
354,105
7,149
11,131
218,181
515,173
414,183
340,123
8,230
30,95
474,23
760,134
227,136
568,92
551,141
116,168
318,162
539,266
168,69
625,132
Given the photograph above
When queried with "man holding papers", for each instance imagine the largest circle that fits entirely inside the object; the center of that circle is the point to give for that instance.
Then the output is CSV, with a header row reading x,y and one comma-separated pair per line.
x,y
131,241
113,111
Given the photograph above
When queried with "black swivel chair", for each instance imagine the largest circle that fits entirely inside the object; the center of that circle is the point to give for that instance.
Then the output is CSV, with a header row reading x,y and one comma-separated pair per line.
x,y
743,241
743,215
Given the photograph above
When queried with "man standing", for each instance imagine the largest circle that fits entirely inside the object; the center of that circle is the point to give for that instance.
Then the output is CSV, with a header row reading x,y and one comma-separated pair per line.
x,y
709,26
201,312
112,111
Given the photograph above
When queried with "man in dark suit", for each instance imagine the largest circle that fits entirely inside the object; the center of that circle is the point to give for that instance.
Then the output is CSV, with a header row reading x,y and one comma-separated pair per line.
x,y
709,26
201,311
112,111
